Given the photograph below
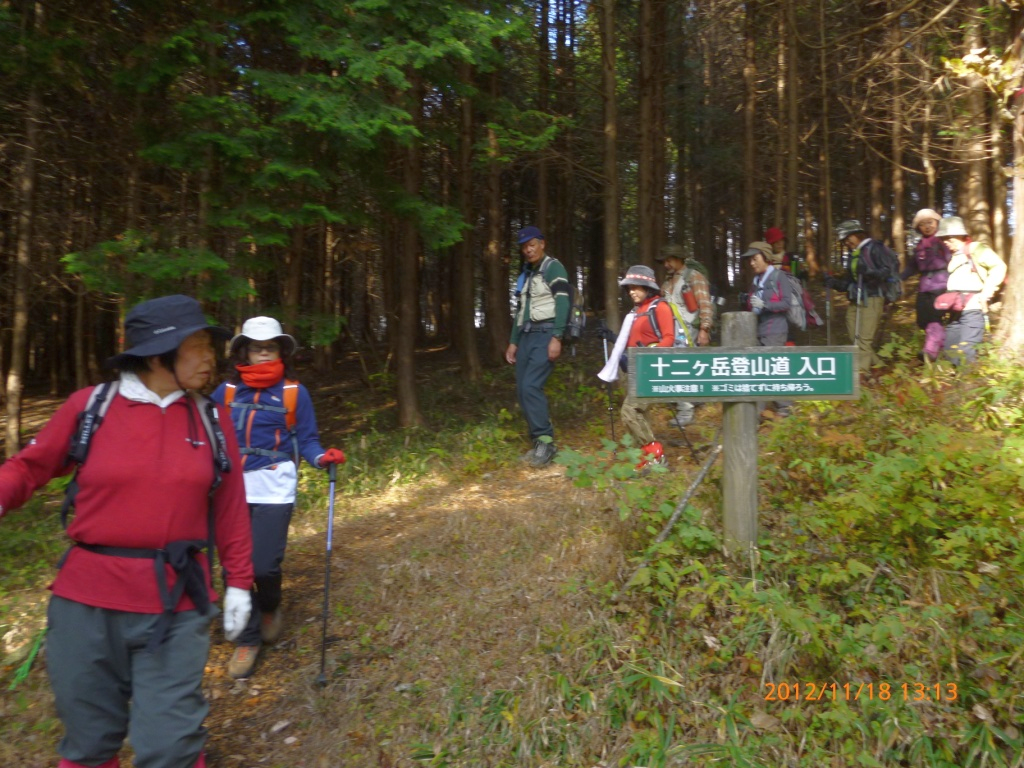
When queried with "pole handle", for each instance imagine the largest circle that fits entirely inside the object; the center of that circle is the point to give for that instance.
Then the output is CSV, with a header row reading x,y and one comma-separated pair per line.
x,y
332,472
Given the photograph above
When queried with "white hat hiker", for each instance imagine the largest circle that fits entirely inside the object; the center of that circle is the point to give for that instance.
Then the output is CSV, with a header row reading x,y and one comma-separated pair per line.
x,y
264,329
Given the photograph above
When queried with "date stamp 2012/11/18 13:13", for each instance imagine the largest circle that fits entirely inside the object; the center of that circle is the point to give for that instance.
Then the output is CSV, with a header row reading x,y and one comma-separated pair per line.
x,y
814,691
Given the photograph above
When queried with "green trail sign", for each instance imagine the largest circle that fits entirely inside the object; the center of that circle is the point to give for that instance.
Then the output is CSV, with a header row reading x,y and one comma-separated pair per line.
x,y
744,374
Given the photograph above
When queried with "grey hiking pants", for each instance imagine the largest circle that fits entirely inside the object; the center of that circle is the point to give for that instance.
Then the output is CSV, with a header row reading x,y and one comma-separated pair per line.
x,y
963,335
777,339
107,686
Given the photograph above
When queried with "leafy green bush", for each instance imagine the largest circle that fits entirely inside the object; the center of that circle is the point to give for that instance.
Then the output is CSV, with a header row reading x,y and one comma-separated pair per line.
x,y
886,583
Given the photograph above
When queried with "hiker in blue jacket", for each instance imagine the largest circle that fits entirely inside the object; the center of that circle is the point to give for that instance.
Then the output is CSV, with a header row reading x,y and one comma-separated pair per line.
x,y
275,423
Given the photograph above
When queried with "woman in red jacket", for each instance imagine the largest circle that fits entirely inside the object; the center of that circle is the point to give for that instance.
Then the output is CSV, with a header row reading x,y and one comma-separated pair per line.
x,y
653,326
128,623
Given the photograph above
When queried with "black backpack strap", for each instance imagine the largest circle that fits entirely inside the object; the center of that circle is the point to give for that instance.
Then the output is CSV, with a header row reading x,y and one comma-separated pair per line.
x,y
89,421
181,556
653,318
221,462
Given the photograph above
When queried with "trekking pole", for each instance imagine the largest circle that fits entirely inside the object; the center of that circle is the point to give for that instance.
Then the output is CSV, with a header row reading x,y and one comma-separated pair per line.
x,y
321,679
856,319
828,309
608,391
689,444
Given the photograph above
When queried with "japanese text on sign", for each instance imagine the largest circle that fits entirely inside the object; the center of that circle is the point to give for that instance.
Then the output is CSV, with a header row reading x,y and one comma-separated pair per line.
x,y
810,372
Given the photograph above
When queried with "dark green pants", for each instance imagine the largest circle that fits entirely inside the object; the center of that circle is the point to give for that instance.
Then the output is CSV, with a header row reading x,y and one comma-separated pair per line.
x,y
532,371
107,686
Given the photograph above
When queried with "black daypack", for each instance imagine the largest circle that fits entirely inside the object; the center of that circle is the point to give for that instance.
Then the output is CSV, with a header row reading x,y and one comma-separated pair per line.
x,y
882,260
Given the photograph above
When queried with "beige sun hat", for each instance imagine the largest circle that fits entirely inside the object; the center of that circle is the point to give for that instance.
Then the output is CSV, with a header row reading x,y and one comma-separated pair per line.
x,y
925,214
760,246
952,226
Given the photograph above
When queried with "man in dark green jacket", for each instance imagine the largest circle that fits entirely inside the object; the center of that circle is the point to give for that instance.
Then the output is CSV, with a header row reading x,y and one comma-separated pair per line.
x,y
537,339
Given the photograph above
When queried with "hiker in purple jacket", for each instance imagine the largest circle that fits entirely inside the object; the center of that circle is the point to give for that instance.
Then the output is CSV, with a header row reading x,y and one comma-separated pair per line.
x,y
930,260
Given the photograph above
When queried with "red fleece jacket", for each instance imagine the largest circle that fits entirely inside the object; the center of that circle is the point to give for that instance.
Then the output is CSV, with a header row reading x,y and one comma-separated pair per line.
x,y
143,485
642,333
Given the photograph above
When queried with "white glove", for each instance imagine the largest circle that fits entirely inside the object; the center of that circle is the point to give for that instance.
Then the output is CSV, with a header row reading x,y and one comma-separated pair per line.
x,y
756,302
237,607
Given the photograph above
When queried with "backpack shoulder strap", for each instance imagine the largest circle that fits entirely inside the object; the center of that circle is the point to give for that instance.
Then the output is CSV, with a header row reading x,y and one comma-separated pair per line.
x,y
210,417
650,314
229,394
291,402
89,420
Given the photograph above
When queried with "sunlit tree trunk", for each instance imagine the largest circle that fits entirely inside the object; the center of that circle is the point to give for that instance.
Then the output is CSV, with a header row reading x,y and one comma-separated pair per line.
x,y
496,289
648,196
780,110
976,213
26,182
1009,334
610,177
291,284
825,159
750,191
929,198
899,232
998,176
792,127
564,213
408,281
543,105
464,301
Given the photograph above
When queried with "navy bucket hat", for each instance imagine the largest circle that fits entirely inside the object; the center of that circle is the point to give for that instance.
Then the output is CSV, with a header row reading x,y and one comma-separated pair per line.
x,y
160,325
526,234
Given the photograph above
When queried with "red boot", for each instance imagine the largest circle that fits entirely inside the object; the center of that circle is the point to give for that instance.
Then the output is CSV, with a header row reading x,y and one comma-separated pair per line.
x,y
114,762
653,456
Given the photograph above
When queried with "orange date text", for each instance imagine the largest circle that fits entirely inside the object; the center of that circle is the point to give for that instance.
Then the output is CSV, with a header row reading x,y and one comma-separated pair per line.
x,y
814,691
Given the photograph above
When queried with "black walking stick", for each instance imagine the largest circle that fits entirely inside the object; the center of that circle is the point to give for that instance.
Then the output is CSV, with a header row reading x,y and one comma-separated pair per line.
x,y
608,387
321,679
689,444
828,309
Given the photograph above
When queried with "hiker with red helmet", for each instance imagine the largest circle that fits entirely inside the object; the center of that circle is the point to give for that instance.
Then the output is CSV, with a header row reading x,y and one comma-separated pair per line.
x,y
788,262
930,260
157,483
276,426
652,325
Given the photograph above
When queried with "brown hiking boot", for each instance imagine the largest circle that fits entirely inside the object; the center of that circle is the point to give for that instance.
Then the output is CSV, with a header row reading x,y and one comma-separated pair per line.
x,y
271,624
243,661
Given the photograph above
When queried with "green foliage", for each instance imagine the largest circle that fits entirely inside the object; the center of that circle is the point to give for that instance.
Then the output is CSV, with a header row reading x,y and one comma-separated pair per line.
x,y
890,557
137,266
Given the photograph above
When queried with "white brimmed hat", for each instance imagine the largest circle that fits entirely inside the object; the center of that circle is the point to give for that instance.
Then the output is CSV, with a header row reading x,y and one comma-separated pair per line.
x,y
264,329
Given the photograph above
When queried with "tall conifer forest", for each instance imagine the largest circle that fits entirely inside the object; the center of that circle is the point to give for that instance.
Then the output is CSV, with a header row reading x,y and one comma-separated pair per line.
x,y
360,169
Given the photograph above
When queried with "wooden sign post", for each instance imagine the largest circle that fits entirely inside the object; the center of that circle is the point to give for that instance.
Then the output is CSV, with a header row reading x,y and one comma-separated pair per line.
x,y
740,374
